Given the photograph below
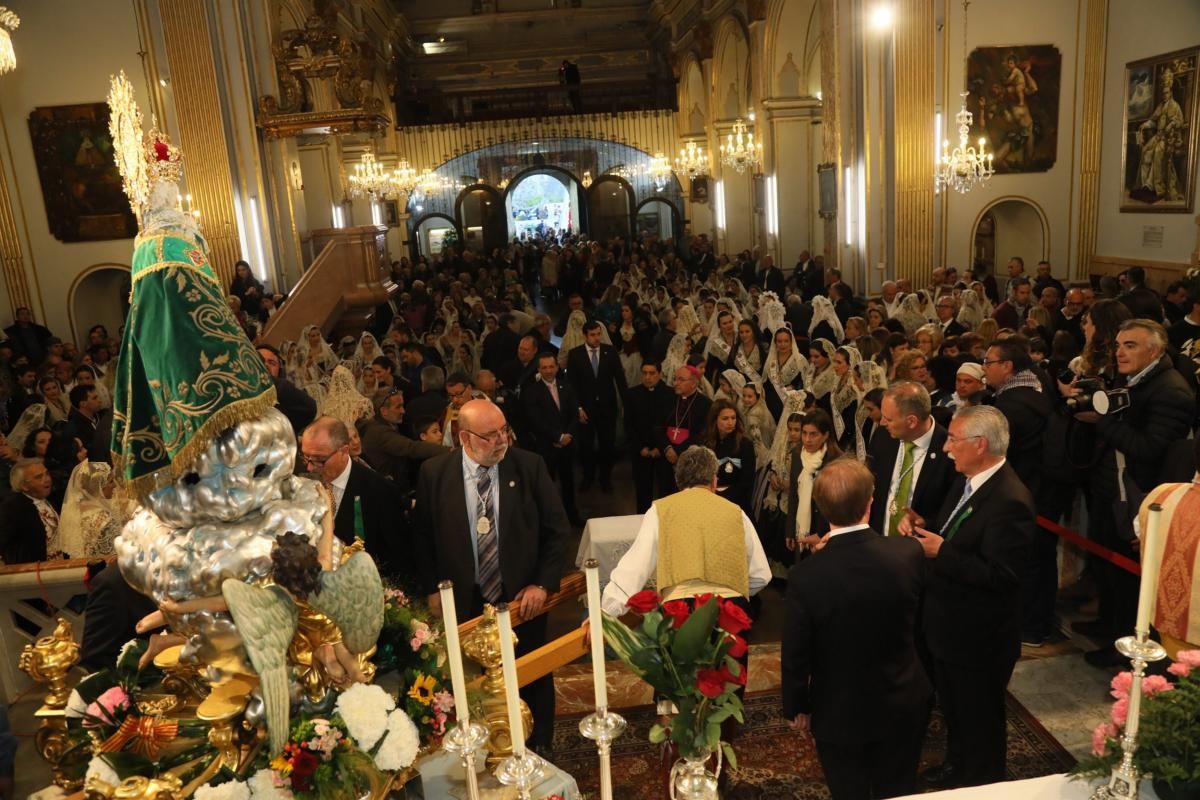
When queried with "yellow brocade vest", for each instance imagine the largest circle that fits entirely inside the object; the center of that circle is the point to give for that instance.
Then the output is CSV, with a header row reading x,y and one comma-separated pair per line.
x,y
700,536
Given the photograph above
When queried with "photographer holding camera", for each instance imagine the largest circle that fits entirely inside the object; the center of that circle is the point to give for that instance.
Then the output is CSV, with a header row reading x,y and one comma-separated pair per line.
x,y
1133,439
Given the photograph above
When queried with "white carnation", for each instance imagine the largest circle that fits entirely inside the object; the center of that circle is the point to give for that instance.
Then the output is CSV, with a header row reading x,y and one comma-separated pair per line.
x,y
400,746
262,787
364,707
230,790
76,705
99,769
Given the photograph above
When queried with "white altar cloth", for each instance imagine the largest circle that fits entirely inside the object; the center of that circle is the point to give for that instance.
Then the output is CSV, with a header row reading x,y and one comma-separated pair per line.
x,y
1049,787
606,539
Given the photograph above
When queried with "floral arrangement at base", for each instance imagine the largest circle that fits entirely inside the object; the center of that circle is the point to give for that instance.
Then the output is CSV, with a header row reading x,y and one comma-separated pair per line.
x,y
413,645
1168,726
688,653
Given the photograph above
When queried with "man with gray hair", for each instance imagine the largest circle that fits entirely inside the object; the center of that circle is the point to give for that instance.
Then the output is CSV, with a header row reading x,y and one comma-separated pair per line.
x,y
28,523
692,537
975,547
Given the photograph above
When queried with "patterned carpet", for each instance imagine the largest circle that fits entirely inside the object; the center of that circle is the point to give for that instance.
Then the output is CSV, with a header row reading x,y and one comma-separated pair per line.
x,y
775,763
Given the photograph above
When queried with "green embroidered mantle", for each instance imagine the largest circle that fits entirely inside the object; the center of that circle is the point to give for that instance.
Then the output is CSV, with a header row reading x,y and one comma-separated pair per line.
x,y
186,370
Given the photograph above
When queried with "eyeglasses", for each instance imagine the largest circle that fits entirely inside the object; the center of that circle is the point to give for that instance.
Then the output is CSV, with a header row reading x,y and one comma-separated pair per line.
x,y
318,461
493,438
952,439
985,362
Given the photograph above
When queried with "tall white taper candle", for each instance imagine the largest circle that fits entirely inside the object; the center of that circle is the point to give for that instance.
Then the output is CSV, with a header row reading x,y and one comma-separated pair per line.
x,y
454,654
591,569
1151,562
512,697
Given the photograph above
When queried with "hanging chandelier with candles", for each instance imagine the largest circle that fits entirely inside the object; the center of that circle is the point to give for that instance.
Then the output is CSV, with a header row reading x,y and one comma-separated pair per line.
x,y
741,151
964,167
692,160
404,178
8,57
370,178
660,171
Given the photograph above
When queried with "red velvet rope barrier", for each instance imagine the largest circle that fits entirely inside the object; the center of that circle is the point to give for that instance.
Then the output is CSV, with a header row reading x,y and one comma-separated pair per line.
x,y
1124,562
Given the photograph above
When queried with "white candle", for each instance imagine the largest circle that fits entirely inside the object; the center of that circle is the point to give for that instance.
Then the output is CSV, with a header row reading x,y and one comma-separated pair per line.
x,y
1151,562
591,569
512,698
454,653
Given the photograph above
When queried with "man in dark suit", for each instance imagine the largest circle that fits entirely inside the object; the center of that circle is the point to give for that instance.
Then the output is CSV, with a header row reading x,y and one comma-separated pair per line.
x,y
867,712
595,372
296,404
971,617
365,503
772,276
552,413
493,524
1142,301
26,517
946,308
911,472
111,616
85,410
646,410
500,347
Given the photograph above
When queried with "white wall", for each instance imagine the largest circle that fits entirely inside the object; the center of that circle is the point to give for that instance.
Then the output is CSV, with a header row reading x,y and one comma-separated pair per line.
x,y
66,51
1018,233
1020,22
1136,31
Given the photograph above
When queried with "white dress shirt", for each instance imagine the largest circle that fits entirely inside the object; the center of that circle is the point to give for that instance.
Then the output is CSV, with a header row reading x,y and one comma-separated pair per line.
x,y
847,529
920,450
981,478
640,563
338,486
470,485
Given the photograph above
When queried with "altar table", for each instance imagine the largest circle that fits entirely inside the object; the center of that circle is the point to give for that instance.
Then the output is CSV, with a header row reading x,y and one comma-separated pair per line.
x,y
442,779
1048,787
606,539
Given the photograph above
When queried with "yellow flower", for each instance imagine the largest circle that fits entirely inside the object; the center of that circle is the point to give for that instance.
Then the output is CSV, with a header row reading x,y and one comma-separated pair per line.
x,y
282,766
422,689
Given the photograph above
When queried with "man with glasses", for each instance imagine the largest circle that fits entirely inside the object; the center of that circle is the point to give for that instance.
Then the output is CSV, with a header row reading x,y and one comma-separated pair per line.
x,y
975,546
365,504
946,307
911,474
389,451
1070,319
493,523
460,390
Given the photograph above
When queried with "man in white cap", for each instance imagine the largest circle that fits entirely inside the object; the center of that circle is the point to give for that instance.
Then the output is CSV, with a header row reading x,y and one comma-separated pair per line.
x,y
968,382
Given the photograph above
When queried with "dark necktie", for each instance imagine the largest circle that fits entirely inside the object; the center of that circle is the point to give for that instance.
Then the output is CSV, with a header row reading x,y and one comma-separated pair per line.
x,y
489,544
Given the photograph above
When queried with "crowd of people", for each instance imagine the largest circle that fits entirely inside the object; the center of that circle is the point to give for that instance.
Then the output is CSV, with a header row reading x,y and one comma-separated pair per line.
x,y
1075,400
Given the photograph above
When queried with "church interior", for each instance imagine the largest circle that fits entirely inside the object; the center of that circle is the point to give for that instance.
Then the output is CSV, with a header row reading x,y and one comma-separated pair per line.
x,y
325,142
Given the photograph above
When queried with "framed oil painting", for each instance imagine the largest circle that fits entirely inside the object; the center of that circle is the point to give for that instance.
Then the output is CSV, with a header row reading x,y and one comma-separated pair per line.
x,y
1013,94
1159,137
699,192
81,187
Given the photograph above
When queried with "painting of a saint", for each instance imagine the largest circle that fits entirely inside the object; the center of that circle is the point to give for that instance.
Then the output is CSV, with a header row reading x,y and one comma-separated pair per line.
x,y
1160,133
1013,94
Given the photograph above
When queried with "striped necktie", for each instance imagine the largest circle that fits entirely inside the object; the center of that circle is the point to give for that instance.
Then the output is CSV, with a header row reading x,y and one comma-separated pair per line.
x,y
950,528
489,543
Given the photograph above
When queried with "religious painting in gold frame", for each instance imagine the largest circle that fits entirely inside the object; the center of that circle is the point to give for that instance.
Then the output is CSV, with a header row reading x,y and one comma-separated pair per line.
x,y
85,199
1159,134
1014,97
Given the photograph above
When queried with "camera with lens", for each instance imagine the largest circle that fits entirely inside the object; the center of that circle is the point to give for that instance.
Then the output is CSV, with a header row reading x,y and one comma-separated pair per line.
x,y
1097,398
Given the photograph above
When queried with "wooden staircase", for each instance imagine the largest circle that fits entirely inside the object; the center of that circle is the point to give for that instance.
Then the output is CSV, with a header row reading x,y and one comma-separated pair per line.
x,y
340,290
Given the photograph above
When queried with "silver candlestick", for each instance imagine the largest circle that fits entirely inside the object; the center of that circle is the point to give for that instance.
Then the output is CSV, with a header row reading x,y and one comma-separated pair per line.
x,y
1123,785
464,741
523,771
602,727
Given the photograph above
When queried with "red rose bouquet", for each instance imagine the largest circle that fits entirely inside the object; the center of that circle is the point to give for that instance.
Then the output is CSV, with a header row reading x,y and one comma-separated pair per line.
x,y
689,655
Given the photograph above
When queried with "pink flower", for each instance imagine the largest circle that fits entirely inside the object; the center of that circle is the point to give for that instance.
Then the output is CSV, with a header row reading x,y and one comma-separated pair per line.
x,y
1179,669
1121,684
415,644
1100,736
1189,657
107,706
1120,711
443,701
1153,684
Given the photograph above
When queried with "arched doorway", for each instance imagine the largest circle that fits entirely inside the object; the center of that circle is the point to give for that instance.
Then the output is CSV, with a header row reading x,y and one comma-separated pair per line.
x,y
479,209
541,200
610,207
99,296
432,233
1010,226
658,217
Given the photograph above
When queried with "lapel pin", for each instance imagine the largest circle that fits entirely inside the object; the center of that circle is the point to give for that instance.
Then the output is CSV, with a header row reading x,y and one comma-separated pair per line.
x,y
932,456
511,484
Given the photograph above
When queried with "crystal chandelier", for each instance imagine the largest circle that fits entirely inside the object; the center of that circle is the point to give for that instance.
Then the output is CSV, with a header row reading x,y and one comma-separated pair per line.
x,y
8,22
692,160
965,167
660,171
370,178
740,151
404,179
587,178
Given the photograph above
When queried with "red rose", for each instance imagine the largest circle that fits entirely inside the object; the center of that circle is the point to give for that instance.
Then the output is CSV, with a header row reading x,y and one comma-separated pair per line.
x,y
678,611
739,679
733,619
644,601
304,764
739,647
161,151
710,683
701,599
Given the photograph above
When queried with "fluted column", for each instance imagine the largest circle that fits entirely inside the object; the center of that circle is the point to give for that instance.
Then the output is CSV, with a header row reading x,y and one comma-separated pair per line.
x,y
914,112
1089,146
